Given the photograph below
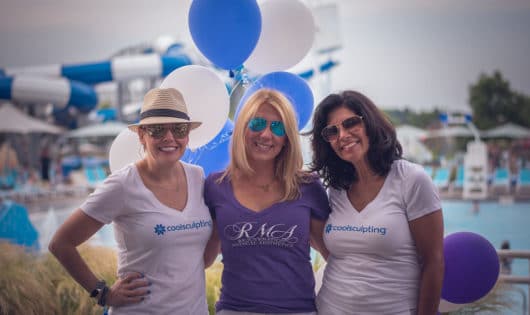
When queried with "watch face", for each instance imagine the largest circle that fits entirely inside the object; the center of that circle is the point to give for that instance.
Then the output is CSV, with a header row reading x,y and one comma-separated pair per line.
x,y
94,293
99,286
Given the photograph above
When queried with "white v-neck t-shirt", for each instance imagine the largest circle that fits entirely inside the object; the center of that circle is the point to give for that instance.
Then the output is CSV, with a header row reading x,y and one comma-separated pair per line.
x,y
373,266
164,244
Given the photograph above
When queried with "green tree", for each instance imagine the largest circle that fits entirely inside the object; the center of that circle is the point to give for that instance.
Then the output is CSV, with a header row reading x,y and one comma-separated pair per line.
x,y
418,119
493,102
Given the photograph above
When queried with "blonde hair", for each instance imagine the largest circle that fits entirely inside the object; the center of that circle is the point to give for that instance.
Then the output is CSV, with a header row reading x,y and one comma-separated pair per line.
x,y
289,163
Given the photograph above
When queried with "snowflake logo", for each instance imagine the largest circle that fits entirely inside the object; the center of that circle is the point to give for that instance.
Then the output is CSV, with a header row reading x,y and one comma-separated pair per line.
x,y
160,229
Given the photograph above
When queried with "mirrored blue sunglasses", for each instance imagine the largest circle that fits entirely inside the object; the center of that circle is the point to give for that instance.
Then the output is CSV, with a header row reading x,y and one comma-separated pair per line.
x,y
258,124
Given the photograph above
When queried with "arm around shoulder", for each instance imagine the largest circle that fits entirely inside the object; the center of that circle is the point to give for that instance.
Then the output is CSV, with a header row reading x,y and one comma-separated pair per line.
x,y
317,239
213,247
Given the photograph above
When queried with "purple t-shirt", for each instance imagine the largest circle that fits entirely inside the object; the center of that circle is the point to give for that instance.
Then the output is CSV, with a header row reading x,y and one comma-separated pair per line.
x,y
267,267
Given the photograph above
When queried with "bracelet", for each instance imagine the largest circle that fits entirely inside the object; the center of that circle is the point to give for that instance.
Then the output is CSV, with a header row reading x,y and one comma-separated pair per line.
x,y
102,300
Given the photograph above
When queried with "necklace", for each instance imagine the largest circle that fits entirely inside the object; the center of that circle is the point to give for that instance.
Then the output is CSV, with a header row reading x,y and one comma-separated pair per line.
x,y
265,188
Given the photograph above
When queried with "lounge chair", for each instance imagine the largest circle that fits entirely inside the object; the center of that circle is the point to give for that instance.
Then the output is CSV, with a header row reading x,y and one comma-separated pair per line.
x,y
458,184
500,183
522,187
100,173
441,178
92,177
428,170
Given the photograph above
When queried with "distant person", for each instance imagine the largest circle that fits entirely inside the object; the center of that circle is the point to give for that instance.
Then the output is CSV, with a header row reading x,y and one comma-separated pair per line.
x,y
161,223
45,161
9,165
476,206
385,230
267,211
506,262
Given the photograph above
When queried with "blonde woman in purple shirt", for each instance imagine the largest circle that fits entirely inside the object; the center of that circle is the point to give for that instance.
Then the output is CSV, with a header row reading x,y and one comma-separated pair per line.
x,y
266,212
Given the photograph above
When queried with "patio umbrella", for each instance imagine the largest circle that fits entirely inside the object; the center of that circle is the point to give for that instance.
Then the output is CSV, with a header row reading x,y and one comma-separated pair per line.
x,y
13,120
107,129
450,132
508,130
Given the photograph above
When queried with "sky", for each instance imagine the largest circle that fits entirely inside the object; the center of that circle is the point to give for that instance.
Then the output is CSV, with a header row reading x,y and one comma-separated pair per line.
x,y
401,53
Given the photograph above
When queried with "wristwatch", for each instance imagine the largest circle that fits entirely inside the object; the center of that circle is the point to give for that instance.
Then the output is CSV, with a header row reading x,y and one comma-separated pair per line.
x,y
99,287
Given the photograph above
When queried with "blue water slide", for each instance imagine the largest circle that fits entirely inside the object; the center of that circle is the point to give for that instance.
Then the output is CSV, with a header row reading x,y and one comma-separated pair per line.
x,y
117,69
325,67
58,91
68,85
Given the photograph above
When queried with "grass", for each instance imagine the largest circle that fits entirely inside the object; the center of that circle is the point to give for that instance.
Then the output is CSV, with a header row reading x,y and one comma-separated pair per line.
x,y
213,285
34,284
38,285
25,286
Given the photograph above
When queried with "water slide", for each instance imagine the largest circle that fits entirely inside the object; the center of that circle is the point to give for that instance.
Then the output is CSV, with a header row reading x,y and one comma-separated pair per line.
x,y
70,85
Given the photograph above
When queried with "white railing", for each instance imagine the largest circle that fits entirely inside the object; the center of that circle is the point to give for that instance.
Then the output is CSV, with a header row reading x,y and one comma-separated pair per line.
x,y
507,278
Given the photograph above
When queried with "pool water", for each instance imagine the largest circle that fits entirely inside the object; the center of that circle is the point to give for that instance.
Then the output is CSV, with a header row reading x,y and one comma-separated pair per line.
x,y
496,222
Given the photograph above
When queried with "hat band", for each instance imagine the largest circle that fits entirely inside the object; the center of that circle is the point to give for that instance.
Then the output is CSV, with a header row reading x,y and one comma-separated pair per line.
x,y
165,113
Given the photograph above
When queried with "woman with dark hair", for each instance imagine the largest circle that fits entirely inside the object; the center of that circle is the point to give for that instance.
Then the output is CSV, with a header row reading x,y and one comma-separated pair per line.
x,y
385,231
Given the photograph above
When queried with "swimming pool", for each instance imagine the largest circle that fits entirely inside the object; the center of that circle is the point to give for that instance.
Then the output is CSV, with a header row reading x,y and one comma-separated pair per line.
x,y
496,222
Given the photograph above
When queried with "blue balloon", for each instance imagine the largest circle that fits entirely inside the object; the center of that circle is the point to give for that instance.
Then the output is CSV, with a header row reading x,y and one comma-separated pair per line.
x,y
471,267
227,31
290,85
215,155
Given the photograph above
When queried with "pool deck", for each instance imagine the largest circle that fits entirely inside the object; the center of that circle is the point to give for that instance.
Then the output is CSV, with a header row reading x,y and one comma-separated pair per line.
x,y
448,194
74,197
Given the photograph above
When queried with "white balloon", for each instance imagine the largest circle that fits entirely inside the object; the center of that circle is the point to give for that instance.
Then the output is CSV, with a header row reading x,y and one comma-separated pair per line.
x,y
287,34
319,275
206,97
446,306
125,149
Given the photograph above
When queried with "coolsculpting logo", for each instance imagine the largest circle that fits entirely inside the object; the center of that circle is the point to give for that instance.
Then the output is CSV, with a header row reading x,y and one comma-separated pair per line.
x,y
352,228
160,229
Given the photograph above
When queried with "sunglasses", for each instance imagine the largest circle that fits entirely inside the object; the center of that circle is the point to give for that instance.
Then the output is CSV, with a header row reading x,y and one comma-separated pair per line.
x,y
331,133
178,131
258,124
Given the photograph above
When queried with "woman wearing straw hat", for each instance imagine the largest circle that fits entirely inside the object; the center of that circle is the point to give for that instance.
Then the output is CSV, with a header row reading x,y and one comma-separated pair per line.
x,y
266,211
161,223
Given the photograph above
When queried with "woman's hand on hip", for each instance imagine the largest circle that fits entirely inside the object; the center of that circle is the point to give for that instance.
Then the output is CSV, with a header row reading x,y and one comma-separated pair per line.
x,y
131,289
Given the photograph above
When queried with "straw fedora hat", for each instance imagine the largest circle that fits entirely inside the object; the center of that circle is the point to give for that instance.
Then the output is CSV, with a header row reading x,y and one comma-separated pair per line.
x,y
164,106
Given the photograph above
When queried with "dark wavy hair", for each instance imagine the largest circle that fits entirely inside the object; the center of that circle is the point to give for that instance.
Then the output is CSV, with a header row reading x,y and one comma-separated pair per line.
x,y
384,147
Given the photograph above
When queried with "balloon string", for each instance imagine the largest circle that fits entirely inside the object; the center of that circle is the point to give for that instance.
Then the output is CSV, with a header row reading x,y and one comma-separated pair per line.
x,y
241,74
195,156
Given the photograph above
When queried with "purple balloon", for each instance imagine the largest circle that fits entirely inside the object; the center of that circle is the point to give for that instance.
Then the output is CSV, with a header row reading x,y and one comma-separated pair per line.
x,y
471,267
